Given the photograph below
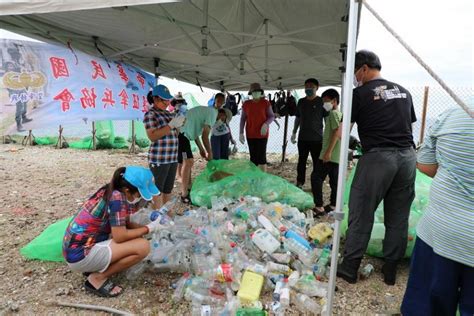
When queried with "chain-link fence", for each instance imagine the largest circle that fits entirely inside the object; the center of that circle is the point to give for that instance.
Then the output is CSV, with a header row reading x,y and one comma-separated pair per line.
x,y
437,102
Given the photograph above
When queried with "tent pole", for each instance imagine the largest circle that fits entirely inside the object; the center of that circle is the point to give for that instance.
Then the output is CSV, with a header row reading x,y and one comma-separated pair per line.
x,y
423,115
266,52
285,141
347,108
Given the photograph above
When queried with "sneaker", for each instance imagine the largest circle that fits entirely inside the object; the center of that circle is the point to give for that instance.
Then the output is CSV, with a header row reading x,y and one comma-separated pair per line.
x,y
26,120
347,270
20,128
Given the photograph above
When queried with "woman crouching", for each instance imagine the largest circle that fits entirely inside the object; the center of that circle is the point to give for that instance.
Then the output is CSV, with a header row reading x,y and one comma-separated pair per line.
x,y
101,241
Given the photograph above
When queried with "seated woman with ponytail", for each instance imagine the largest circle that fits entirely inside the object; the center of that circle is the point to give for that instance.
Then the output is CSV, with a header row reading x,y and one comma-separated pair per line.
x,y
101,241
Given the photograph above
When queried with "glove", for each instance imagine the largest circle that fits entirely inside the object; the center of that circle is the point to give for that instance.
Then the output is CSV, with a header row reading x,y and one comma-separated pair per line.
x,y
154,226
264,129
293,138
242,138
177,122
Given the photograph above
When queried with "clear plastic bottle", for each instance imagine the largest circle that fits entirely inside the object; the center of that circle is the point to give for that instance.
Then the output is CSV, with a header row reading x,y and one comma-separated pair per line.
x,y
322,263
293,278
366,271
306,305
180,287
278,268
307,284
277,291
285,294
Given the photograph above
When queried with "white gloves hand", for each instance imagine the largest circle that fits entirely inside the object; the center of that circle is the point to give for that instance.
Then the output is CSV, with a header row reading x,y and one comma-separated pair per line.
x,y
154,226
264,129
177,122
242,138
293,138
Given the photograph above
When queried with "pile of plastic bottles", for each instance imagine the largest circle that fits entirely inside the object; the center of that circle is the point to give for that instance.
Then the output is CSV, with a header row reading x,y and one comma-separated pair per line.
x,y
241,257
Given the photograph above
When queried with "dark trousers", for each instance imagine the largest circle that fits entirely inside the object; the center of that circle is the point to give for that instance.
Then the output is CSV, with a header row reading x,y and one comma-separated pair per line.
x,y
20,113
320,172
220,146
437,285
386,174
304,149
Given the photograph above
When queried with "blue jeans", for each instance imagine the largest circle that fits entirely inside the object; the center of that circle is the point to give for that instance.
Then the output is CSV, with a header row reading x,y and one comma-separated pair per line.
x,y
220,146
437,285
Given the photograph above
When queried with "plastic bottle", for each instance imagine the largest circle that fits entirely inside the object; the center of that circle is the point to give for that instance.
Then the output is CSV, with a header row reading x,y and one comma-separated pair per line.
x,y
198,298
366,271
164,209
180,286
298,249
142,217
293,278
135,271
289,234
267,224
322,263
276,292
285,294
265,241
279,268
284,258
251,286
306,305
308,285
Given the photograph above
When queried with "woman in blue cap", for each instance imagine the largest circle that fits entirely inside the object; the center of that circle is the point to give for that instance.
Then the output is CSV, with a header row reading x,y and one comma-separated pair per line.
x,y
101,241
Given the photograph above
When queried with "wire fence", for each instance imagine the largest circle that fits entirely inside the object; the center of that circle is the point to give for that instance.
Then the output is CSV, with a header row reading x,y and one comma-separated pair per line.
x,y
437,101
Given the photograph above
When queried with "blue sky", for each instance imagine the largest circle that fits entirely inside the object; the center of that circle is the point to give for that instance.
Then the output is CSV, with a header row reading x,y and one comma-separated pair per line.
x,y
441,32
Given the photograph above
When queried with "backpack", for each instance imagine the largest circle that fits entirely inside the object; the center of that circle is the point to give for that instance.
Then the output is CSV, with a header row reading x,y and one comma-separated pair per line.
x,y
285,103
231,103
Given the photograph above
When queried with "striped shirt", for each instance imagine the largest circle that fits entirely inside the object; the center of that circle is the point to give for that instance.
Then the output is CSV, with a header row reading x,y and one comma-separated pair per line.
x,y
448,222
165,149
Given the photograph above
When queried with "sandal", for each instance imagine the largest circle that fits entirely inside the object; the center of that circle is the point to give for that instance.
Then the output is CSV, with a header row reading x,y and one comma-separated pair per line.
x,y
328,209
186,199
317,213
104,291
86,274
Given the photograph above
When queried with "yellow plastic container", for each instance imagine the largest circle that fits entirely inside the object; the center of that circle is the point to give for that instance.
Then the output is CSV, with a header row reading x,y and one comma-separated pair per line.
x,y
250,287
320,232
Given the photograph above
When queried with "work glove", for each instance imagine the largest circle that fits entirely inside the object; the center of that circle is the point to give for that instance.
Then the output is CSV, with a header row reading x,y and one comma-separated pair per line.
x,y
242,138
177,122
293,138
264,129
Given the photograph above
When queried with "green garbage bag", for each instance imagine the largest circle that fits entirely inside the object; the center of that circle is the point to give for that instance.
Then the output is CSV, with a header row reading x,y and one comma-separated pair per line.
x,y
237,178
375,247
85,143
46,140
141,137
48,245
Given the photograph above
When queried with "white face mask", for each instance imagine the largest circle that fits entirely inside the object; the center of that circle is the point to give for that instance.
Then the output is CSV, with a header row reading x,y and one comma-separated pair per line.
x,y
327,106
356,83
135,201
256,95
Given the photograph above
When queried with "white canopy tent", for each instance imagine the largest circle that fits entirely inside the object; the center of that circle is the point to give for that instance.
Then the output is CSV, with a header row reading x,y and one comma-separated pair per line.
x,y
218,44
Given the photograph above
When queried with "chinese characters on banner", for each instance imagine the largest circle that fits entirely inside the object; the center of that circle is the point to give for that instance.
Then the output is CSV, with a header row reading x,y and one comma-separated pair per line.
x,y
44,86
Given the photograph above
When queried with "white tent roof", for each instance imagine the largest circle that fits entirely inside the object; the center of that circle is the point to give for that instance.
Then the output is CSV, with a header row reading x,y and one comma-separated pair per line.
x,y
268,41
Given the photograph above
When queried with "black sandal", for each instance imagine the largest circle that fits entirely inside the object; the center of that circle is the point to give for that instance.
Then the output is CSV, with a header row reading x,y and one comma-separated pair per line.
x,y
317,213
328,209
104,291
186,199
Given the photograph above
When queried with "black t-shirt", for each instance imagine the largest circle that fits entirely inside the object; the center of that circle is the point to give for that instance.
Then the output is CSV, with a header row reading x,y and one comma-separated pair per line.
x,y
310,114
384,112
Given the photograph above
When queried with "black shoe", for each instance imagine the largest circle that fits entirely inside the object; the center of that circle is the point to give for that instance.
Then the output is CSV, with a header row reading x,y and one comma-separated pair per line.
x,y
348,270
26,120
389,271
20,128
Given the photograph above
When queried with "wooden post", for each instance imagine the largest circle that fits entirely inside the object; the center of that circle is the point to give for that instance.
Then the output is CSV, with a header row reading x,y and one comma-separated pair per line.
x,y
28,140
134,140
423,116
94,144
59,144
285,141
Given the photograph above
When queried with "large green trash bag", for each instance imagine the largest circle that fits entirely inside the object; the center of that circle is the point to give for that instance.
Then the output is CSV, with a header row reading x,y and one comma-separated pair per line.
x,y
375,247
48,245
105,138
85,143
46,140
237,178
141,137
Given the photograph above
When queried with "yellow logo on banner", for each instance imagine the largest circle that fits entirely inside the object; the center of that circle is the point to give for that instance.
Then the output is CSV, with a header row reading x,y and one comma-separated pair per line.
x,y
18,81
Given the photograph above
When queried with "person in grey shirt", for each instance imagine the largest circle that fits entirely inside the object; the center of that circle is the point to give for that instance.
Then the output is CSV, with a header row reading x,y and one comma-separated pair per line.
x,y
309,119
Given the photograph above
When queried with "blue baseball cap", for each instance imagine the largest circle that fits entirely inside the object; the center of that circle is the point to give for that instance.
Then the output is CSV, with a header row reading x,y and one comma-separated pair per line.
x,y
162,91
142,179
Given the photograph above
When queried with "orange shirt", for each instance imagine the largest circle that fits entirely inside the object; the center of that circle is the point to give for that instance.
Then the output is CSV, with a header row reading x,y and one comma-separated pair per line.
x,y
256,113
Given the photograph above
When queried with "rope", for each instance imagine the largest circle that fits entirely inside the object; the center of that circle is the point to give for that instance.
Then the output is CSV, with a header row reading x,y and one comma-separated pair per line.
x,y
453,95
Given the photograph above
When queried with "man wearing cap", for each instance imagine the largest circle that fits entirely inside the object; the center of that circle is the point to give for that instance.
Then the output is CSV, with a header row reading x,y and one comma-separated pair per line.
x,y
199,121
257,115
162,130
384,114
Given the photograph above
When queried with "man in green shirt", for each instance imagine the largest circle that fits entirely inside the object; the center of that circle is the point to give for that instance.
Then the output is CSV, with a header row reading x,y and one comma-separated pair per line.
x,y
199,121
328,163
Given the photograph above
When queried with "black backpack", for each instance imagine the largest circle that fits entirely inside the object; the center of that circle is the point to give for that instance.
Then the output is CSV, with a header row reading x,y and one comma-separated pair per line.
x,y
231,103
285,103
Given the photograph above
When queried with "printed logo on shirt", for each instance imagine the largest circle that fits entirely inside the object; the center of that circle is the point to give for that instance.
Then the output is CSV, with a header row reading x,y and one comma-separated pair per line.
x,y
381,92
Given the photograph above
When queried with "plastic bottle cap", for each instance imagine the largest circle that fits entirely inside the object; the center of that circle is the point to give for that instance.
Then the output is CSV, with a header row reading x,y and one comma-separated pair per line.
x,y
233,244
283,229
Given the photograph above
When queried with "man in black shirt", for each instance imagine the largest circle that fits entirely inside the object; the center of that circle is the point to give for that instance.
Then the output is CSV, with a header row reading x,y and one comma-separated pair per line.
x,y
384,114
309,118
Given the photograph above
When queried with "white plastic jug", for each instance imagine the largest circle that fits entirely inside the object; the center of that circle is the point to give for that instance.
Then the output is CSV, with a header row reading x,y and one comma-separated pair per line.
x,y
265,241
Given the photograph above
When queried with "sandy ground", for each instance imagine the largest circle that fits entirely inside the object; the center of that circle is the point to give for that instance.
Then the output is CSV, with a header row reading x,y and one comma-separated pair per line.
x,y
42,185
